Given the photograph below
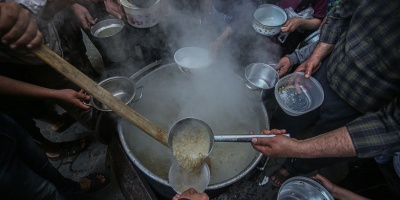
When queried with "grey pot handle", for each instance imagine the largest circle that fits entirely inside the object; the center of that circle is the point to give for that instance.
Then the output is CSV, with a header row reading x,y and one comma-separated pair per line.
x,y
140,94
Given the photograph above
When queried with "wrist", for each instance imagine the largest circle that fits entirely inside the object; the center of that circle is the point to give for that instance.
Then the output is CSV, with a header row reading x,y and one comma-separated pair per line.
x,y
54,94
293,60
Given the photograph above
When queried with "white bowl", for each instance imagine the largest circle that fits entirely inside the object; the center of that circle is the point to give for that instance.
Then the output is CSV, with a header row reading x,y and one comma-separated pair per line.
x,y
192,57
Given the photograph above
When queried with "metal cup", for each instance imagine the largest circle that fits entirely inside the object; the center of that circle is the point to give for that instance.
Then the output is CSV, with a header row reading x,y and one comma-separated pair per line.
x,y
110,39
261,78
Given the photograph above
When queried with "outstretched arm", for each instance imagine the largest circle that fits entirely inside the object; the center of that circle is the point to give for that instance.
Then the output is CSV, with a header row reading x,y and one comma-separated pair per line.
x,y
14,88
335,143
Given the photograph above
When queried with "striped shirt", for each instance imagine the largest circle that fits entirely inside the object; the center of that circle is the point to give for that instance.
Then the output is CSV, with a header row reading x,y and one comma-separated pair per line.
x,y
364,69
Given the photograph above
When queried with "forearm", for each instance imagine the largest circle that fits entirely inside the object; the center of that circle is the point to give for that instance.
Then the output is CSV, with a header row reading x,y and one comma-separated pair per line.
x,y
225,35
336,143
15,88
309,24
344,194
321,51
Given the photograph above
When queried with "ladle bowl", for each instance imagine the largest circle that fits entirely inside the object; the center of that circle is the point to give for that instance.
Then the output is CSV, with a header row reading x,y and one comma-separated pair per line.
x,y
190,124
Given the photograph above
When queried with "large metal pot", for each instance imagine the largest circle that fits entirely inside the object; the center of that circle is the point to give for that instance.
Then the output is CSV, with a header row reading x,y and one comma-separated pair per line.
x,y
211,95
268,19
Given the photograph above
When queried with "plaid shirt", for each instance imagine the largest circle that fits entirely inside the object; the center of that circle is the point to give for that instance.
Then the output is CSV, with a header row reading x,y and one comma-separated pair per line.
x,y
364,69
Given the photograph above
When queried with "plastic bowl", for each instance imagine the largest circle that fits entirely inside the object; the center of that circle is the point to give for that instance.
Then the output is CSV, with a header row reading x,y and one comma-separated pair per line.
x,y
192,57
303,188
181,179
297,95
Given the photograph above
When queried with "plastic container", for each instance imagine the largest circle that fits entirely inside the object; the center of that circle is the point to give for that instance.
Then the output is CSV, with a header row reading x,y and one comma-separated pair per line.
x,y
303,188
297,95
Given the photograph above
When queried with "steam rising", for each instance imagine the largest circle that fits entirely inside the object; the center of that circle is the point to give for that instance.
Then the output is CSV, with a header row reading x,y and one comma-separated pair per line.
x,y
190,23
217,95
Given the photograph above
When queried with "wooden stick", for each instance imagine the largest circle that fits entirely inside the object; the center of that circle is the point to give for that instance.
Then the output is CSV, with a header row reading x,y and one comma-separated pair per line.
x,y
116,105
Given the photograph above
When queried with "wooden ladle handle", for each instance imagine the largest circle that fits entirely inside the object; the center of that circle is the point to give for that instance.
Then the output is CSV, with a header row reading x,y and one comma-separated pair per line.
x,y
116,105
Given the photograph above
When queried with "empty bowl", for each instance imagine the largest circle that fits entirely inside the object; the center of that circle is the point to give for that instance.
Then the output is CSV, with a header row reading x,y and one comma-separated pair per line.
x,y
260,78
120,87
297,95
303,188
181,179
192,58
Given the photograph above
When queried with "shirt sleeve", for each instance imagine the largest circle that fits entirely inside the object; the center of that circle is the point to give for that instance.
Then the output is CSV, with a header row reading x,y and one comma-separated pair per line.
x,y
35,6
300,55
320,9
337,22
377,133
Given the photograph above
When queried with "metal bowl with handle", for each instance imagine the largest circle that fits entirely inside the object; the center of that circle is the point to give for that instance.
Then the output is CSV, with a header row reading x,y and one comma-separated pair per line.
x,y
121,87
186,124
268,19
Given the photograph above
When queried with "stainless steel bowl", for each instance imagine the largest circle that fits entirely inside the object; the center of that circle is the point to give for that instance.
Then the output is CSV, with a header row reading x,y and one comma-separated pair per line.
x,y
260,78
122,88
110,38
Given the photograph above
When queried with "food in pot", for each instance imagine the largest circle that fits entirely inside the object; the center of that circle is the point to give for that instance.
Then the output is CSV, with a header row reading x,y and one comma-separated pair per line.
x,y
190,146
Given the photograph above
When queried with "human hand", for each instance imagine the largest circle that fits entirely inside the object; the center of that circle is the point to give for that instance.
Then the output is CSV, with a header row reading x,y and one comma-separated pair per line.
x,y
278,146
325,182
72,98
114,9
310,66
291,24
336,191
283,66
191,194
83,15
18,27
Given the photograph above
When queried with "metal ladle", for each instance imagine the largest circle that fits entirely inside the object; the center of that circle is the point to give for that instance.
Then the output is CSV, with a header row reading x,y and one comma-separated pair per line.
x,y
192,123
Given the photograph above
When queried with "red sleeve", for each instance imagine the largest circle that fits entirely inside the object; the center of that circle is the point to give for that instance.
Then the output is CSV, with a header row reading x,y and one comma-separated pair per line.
x,y
320,9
